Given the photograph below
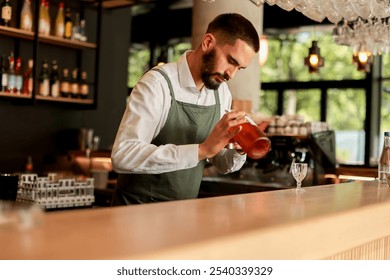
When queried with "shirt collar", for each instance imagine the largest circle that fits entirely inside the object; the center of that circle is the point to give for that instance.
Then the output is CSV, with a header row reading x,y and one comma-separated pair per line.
x,y
184,73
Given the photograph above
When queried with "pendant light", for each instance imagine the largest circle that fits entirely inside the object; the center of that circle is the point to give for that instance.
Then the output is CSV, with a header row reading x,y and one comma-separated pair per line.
x,y
363,61
314,60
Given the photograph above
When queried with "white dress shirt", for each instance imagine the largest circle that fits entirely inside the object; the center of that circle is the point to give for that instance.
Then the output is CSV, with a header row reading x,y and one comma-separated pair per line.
x,y
145,115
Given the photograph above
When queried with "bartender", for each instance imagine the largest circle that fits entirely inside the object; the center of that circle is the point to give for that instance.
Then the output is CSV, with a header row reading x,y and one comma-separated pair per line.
x,y
175,119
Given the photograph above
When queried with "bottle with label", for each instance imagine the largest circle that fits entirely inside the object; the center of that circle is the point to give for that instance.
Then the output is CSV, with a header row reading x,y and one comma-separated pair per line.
x,y
68,24
4,74
54,80
65,87
44,79
74,84
18,76
384,160
6,13
83,86
26,17
60,21
11,74
28,78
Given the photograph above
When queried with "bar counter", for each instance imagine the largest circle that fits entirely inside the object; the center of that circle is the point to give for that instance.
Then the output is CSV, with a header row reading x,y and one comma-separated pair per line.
x,y
340,221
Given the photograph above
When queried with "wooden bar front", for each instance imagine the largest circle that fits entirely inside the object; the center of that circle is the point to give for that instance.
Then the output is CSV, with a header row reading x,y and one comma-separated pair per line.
x,y
341,221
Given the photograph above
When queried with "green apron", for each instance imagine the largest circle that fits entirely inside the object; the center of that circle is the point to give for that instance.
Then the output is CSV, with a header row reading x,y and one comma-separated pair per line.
x,y
186,124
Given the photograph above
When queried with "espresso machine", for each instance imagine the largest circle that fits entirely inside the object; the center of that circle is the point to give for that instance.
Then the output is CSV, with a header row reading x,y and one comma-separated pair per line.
x,y
317,150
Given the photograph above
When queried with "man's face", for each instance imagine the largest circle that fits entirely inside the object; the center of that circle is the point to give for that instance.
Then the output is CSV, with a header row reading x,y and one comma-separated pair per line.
x,y
221,62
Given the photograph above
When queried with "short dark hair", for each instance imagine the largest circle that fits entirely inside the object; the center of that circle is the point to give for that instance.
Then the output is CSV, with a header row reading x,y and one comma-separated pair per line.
x,y
232,26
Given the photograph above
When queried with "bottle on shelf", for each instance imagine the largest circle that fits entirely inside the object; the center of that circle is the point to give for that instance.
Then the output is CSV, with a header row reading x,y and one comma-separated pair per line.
x,y
6,13
4,74
60,21
26,16
47,17
43,20
18,76
44,79
68,24
65,86
54,80
76,28
74,84
11,74
83,86
384,160
83,35
28,82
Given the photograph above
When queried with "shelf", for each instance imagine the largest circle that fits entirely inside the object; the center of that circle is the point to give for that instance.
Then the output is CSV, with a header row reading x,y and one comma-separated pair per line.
x,y
66,42
64,99
74,50
18,33
14,95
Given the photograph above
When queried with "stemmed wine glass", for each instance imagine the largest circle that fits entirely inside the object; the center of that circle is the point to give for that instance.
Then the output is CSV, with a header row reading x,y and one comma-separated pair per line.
x,y
299,171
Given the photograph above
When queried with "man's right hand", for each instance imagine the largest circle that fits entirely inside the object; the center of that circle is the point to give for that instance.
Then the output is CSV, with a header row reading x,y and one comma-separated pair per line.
x,y
227,127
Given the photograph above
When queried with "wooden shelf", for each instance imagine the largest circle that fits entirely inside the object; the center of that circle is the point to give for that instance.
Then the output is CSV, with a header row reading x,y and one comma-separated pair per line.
x,y
64,99
15,32
18,33
14,95
74,48
66,42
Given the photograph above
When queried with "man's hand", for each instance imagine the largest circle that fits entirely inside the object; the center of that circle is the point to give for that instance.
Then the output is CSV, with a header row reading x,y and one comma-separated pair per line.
x,y
227,127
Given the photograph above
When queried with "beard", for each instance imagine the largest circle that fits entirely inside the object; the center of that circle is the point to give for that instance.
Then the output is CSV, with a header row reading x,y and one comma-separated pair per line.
x,y
207,71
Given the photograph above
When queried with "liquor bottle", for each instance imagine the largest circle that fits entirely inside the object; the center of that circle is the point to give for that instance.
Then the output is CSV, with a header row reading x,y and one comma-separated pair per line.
x,y
18,76
64,86
384,160
11,74
44,79
54,80
4,74
42,18
76,28
60,21
83,86
74,84
26,17
83,35
47,18
6,13
68,24
28,82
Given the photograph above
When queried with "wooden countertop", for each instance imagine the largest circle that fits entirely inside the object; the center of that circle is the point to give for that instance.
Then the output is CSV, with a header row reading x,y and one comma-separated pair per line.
x,y
320,223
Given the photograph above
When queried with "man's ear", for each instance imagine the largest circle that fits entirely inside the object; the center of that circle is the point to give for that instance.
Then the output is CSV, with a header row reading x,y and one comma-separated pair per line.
x,y
208,42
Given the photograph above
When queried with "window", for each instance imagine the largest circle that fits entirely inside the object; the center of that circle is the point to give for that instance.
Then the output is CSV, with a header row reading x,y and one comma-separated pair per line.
x,y
345,115
335,94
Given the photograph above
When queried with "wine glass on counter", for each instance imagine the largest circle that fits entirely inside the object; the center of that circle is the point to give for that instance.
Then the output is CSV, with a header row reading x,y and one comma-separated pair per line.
x,y
299,172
